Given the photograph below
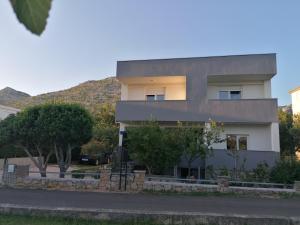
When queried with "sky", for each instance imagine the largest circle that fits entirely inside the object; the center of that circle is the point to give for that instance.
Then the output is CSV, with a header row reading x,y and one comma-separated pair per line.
x,y
84,39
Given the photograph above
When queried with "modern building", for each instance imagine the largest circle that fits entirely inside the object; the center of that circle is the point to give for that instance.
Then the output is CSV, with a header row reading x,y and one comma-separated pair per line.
x,y
295,94
235,90
6,111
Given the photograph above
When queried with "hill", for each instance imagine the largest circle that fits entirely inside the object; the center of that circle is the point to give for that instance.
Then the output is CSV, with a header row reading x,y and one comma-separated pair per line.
x,y
8,95
90,94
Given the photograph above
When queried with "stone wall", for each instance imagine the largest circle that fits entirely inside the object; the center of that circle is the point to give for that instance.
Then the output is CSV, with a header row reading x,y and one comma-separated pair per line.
x,y
158,186
108,181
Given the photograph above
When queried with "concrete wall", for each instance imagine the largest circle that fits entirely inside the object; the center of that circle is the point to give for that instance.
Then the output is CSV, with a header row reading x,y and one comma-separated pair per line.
x,y
258,136
18,161
249,90
139,91
296,101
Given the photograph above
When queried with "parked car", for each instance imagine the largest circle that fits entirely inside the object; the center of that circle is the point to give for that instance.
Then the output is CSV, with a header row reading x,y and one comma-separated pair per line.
x,y
97,159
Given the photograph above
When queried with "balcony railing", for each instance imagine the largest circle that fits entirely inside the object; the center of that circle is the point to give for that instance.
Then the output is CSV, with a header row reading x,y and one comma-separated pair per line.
x,y
231,111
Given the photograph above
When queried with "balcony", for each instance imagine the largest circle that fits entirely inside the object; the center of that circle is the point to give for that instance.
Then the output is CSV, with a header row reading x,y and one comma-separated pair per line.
x,y
228,111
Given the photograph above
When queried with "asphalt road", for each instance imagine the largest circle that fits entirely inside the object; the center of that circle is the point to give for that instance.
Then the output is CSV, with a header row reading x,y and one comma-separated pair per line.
x,y
151,202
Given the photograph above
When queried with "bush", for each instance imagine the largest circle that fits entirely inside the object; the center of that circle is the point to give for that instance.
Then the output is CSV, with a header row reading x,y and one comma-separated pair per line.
x,y
262,172
79,174
286,171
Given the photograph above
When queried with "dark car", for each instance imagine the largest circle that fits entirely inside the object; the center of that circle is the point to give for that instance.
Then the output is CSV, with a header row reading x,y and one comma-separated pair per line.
x,y
97,159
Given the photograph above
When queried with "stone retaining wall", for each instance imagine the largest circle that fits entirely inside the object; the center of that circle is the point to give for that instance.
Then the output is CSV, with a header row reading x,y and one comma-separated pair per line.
x,y
157,186
19,178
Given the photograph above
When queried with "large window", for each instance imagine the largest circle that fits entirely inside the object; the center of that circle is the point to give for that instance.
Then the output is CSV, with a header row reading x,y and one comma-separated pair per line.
x,y
237,142
229,95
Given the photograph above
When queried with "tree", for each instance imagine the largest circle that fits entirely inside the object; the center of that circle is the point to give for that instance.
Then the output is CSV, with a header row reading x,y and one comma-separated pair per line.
x,y
69,126
105,133
196,141
32,14
49,129
148,145
27,131
287,147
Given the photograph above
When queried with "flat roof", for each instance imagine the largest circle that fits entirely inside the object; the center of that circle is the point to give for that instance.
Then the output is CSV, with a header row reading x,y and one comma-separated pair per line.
x,y
294,90
198,57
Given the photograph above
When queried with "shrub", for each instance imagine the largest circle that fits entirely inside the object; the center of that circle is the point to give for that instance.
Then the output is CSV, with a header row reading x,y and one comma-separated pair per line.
x,y
286,171
79,174
262,172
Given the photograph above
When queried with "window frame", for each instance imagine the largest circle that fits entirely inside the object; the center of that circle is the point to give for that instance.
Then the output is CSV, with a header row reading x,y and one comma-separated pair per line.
x,y
237,141
229,94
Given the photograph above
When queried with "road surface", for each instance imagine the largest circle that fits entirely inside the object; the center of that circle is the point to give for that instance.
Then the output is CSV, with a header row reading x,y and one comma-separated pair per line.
x,y
152,202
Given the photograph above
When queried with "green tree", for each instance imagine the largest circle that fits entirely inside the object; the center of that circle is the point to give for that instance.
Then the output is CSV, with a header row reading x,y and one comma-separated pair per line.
x,y
105,133
287,147
196,141
148,145
68,126
27,131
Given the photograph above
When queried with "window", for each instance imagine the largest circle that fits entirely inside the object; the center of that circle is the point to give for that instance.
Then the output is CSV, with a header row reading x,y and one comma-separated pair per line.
x,y
155,97
160,97
150,97
223,95
229,95
235,94
237,142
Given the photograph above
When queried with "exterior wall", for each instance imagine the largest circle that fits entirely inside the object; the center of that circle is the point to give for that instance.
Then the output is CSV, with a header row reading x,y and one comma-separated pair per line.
x,y
296,101
259,136
138,92
250,90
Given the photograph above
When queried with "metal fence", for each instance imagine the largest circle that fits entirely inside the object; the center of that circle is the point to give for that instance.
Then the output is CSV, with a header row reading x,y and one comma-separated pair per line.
x,y
214,182
180,180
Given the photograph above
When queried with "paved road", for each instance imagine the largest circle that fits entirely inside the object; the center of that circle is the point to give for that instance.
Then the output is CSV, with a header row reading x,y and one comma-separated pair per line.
x,y
151,202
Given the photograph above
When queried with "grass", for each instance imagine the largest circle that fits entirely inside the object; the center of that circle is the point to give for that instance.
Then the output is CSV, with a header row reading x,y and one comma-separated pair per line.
x,y
38,220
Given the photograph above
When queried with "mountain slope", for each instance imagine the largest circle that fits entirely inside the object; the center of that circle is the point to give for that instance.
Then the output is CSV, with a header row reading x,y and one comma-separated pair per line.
x,y
8,95
90,94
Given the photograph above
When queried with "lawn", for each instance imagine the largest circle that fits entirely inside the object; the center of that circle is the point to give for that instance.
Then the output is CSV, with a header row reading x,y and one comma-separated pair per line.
x,y
30,220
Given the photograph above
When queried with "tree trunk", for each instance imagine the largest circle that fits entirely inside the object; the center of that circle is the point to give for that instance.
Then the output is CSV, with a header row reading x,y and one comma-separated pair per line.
x,y
63,162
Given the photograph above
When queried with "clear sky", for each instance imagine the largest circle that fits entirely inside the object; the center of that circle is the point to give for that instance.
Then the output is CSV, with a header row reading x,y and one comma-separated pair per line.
x,y
84,38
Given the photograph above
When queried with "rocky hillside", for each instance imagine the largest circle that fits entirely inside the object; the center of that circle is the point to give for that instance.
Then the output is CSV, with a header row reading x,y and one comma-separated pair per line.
x,y
8,95
90,94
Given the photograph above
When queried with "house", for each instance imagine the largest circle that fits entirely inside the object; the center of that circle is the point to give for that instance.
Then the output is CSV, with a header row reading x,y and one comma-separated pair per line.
x,y
295,94
6,111
235,90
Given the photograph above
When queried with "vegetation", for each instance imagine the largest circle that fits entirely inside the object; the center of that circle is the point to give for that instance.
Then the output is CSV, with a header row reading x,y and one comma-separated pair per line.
x,y
92,95
37,220
286,171
32,13
147,146
160,148
48,129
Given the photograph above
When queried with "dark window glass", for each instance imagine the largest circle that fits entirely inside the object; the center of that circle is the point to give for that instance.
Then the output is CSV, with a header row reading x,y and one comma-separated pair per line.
x,y
231,142
243,143
235,94
150,97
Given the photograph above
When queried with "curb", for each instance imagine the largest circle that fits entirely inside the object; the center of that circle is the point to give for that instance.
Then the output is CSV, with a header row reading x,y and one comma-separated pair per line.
x,y
162,217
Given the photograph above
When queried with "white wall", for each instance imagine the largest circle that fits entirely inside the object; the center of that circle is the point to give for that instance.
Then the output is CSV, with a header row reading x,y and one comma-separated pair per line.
x,y
296,102
249,90
139,91
259,136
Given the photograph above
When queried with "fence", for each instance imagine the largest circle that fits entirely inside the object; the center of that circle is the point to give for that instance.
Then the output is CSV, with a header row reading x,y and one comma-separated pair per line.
x,y
19,177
